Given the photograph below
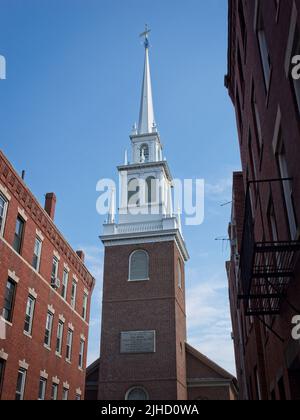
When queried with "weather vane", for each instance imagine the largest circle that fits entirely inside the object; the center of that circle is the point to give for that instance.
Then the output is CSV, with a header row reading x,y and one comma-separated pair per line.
x,y
145,34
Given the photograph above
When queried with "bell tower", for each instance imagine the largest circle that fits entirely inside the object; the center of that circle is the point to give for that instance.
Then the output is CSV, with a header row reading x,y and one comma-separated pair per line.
x,y
143,314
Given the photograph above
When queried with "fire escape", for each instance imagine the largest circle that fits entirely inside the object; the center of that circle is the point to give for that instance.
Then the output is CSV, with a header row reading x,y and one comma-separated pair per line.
x,y
266,266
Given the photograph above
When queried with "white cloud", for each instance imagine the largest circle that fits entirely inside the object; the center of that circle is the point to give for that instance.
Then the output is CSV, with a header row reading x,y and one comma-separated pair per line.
x,y
220,190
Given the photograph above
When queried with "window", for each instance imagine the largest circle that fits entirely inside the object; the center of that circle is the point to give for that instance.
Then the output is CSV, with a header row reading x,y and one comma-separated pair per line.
x,y
54,273
17,244
81,354
48,329
78,397
264,51
136,394
65,394
84,306
287,191
37,254
144,153
3,208
59,337
73,294
139,266
133,192
42,388
179,270
151,193
257,121
2,368
257,384
64,288
69,345
9,300
21,384
29,315
54,392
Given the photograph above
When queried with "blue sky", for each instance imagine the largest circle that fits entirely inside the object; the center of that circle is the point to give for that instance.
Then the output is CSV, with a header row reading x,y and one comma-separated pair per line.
x,y
74,72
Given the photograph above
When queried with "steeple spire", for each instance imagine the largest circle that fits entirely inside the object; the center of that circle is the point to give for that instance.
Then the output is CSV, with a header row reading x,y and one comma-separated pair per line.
x,y
146,121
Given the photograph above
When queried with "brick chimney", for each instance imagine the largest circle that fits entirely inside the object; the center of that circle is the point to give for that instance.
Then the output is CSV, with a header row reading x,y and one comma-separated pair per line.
x,y
50,203
81,255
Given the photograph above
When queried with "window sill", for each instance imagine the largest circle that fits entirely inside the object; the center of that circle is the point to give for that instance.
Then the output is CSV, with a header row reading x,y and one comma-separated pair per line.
x,y
58,355
138,280
80,368
47,347
7,322
68,361
27,335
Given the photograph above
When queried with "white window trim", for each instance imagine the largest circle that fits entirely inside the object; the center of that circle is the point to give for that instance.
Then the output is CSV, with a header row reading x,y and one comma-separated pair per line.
x,y
130,259
70,333
29,333
12,275
23,384
4,213
22,213
5,193
39,256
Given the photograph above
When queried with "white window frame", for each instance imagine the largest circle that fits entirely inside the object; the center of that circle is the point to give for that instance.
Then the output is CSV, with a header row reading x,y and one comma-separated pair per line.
x,y
5,205
65,395
84,306
39,254
73,293
50,329
69,345
130,262
81,354
43,381
21,392
59,337
30,313
65,280
55,262
54,394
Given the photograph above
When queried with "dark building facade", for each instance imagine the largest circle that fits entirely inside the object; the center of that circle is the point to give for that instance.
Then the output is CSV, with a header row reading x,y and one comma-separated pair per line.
x,y
45,293
264,271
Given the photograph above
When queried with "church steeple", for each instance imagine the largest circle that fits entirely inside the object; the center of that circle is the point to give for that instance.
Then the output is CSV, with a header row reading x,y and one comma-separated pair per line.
x,y
146,120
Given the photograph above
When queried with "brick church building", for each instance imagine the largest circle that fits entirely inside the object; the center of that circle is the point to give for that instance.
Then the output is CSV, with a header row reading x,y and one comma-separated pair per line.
x,y
144,353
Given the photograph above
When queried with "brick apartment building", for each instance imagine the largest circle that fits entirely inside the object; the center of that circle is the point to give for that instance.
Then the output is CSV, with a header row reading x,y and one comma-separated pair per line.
x,y
264,270
45,292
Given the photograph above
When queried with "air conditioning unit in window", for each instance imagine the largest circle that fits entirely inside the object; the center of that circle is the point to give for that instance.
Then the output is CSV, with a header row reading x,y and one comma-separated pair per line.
x,y
55,283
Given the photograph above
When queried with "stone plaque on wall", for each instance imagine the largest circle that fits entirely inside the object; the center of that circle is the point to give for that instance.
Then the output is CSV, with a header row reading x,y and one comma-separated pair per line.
x,y
133,342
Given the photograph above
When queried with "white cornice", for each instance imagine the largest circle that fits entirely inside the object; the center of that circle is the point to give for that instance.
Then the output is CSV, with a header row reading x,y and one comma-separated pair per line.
x,y
147,237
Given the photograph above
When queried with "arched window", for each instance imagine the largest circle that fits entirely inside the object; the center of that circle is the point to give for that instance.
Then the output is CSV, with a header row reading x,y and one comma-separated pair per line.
x,y
139,266
151,190
179,273
133,190
137,394
144,153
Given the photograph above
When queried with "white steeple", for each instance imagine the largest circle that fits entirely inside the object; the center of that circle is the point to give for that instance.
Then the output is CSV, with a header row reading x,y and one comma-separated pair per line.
x,y
147,121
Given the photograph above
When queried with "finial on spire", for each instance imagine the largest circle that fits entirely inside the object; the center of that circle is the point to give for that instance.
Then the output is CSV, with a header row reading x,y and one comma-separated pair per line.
x,y
146,120
145,34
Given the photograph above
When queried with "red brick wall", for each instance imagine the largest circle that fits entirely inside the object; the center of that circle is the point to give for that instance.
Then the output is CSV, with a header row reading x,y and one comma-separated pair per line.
x,y
262,349
17,345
